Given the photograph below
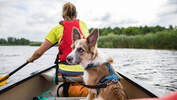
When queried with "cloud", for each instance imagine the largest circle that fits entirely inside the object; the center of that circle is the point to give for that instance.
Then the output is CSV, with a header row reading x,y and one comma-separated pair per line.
x,y
173,2
33,19
169,8
168,14
137,12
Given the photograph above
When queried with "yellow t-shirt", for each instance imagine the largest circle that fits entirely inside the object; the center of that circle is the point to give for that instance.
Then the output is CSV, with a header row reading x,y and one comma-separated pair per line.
x,y
56,33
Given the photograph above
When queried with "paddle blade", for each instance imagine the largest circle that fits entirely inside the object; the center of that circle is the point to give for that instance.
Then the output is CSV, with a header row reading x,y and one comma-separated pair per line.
x,y
3,80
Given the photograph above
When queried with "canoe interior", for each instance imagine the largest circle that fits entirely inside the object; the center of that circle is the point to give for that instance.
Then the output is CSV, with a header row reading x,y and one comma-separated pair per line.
x,y
37,85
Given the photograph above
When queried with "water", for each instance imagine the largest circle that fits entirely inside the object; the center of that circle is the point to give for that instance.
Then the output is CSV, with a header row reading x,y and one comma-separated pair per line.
x,y
156,69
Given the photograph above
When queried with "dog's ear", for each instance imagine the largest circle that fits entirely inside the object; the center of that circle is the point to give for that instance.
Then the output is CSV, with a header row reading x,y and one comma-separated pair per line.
x,y
75,34
93,37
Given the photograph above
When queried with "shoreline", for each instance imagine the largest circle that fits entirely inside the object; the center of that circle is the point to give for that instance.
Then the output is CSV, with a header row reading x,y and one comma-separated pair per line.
x,y
105,48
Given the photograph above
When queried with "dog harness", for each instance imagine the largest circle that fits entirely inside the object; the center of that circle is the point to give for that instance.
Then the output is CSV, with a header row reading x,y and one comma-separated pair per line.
x,y
105,81
66,40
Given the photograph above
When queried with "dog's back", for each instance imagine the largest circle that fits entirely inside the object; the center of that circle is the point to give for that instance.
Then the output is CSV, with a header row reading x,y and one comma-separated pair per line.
x,y
114,91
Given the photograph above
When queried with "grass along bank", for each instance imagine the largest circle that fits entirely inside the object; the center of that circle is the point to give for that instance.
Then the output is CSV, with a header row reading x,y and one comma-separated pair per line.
x,y
160,40
35,43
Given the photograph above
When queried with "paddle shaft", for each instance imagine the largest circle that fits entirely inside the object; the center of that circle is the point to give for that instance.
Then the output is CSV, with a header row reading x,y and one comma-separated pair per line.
x,y
11,73
18,68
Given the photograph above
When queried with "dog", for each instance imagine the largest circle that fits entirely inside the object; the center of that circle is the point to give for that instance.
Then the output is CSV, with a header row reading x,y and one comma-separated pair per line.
x,y
97,67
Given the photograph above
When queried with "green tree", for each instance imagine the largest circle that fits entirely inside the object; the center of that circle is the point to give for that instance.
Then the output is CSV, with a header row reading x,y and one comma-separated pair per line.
x,y
131,31
170,27
117,30
3,41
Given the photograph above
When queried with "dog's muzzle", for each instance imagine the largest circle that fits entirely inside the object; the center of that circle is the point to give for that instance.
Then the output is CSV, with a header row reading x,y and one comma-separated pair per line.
x,y
69,59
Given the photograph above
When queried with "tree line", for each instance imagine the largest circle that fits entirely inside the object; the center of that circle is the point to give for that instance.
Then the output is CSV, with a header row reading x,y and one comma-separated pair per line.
x,y
153,37
132,30
14,41
147,37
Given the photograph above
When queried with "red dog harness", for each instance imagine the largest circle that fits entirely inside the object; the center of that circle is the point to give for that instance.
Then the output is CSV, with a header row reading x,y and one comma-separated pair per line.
x,y
66,40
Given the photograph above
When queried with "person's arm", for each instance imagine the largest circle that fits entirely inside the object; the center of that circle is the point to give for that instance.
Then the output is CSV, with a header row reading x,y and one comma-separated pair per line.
x,y
39,52
50,40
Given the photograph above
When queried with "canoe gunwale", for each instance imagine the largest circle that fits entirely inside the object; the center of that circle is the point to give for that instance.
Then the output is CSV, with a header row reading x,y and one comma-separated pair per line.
x,y
147,91
23,80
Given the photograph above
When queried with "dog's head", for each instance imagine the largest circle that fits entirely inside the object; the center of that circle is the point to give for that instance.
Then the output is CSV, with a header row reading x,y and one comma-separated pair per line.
x,y
83,50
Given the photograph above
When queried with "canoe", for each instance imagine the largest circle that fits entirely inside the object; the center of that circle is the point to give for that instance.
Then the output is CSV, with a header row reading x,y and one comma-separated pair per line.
x,y
37,83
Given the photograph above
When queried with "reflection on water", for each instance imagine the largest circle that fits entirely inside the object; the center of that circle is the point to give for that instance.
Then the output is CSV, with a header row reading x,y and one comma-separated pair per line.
x,y
156,68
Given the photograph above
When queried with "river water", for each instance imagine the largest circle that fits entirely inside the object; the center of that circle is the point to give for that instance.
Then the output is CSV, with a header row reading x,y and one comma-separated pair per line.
x,y
156,69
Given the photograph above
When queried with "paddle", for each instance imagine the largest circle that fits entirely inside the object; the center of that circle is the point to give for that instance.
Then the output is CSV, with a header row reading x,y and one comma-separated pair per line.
x,y
3,79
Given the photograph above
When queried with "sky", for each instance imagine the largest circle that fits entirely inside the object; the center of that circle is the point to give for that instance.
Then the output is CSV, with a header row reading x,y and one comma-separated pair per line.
x,y
33,19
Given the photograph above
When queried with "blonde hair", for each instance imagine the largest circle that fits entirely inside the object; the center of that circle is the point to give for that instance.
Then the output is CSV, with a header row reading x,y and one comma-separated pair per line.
x,y
69,11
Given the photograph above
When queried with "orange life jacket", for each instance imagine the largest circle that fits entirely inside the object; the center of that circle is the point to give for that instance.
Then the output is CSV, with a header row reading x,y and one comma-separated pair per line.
x,y
66,40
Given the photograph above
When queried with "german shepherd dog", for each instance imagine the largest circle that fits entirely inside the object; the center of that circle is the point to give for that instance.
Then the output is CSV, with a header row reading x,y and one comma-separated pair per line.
x,y
85,52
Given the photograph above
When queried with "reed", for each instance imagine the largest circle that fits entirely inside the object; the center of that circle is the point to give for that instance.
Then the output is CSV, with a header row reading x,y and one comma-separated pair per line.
x,y
160,40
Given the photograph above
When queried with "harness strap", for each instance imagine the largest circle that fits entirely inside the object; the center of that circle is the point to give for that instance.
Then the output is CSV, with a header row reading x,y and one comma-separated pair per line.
x,y
110,69
105,81
102,85
112,77
89,66
56,71
66,88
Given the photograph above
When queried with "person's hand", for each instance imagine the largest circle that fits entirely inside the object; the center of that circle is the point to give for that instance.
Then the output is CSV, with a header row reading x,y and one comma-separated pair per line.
x,y
30,60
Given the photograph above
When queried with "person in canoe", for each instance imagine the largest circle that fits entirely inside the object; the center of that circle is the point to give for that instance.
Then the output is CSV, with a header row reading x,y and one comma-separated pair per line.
x,y
62,34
